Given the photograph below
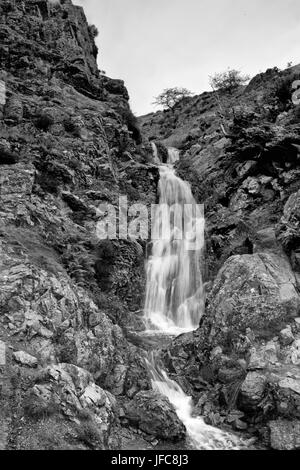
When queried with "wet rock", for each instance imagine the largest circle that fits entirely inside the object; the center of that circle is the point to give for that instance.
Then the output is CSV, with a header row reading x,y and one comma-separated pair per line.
x,y
240,425
285,435
155,415
25,359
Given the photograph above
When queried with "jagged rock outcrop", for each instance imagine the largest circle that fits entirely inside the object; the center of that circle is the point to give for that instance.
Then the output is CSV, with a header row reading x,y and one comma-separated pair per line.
x,y
68,143
70,390
256,291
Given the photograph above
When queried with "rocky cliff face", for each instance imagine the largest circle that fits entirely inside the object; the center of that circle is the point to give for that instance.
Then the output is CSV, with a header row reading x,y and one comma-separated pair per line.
x,y
71,372
68,142
240,152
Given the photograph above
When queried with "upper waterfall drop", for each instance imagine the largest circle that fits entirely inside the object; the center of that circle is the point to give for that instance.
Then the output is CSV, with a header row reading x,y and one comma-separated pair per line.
x,y
155,153
173,155
174,294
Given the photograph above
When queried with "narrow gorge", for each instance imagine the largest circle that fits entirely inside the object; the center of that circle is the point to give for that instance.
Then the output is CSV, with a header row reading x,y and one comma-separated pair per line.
x,y
189,339
175,296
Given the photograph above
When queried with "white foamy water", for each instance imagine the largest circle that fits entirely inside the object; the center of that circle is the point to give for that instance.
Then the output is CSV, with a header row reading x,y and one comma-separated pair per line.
x,y
175,298
174,294
200,435
173,155
155,153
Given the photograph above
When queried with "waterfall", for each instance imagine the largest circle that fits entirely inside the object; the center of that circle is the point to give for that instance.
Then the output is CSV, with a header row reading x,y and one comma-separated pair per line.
x,y
155,153
173,155
201,436
174,295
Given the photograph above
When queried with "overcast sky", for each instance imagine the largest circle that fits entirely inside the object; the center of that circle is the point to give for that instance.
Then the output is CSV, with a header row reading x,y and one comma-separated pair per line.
x,y
155,44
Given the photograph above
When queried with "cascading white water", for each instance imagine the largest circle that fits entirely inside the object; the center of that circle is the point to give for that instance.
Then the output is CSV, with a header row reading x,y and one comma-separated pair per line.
x,y
201,435
155,153
173,155
174,294
175,297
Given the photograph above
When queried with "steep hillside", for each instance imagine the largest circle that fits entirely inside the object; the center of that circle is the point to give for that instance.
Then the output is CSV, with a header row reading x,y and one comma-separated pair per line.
x,y
241,154
68,142
73,373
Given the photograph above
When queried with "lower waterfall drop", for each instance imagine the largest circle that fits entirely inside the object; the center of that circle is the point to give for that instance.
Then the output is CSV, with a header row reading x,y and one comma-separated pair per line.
x,y
200,435
175,296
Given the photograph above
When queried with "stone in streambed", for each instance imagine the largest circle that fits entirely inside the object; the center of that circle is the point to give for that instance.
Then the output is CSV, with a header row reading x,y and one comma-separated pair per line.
x,y
155,415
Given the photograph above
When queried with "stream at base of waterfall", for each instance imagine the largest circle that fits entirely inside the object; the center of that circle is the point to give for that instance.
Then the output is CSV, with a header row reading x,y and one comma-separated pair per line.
x,y
174,294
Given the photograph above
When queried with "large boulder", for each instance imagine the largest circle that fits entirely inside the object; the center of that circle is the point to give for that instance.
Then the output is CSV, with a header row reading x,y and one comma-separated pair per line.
x,y
252,291
155,415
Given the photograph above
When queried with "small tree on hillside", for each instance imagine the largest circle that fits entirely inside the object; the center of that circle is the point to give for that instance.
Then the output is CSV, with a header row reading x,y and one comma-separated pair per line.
x,y
228,81
171,96
93,30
